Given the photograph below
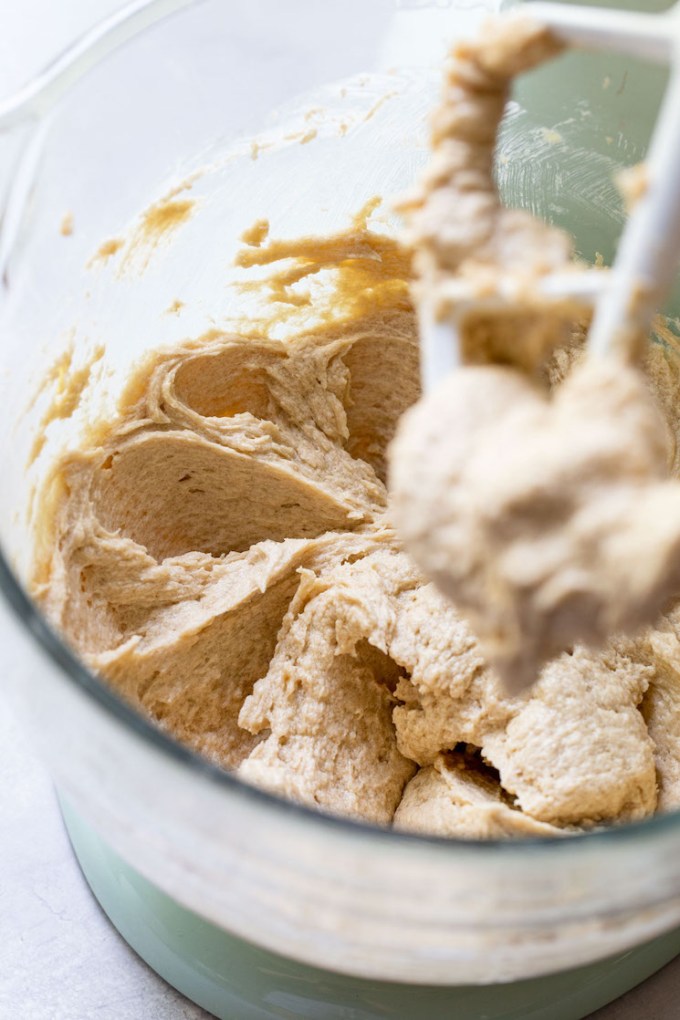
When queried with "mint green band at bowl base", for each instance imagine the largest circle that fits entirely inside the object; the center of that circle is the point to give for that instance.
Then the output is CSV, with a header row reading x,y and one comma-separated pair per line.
x,y
236,980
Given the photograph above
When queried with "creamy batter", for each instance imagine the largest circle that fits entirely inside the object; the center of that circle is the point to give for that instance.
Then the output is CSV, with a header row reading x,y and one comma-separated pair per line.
x,y
548,519
223,554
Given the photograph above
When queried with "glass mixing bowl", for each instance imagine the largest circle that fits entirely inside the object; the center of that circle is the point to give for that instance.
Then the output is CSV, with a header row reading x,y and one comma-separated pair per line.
x,y
83,155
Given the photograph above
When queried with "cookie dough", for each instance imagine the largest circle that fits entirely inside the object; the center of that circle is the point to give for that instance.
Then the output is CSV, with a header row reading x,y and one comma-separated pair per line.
x,y
451,798
548,518
475,261
223,555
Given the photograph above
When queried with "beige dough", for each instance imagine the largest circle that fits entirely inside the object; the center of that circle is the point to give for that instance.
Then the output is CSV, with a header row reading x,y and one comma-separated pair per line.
x,y
547,518
464,242
450,799
547,521
223,552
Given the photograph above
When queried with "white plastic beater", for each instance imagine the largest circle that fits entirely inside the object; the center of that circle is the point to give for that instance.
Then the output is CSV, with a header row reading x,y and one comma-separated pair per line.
x,y
626,297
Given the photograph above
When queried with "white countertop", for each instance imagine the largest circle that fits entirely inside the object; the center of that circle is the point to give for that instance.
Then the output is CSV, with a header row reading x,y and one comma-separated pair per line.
x,y
60,959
